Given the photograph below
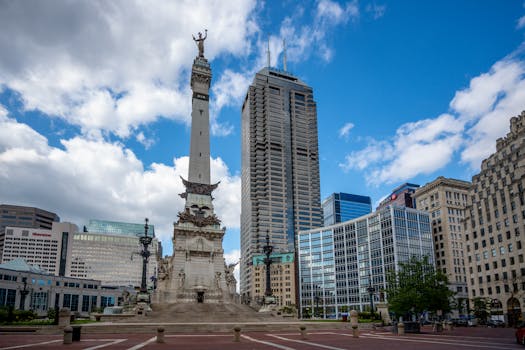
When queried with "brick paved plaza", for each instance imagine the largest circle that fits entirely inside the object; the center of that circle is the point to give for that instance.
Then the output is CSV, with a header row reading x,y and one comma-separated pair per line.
x,y
459,338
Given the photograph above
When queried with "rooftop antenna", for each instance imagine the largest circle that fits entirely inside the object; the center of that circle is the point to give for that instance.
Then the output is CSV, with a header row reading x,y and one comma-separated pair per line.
x,y
268,52
284,55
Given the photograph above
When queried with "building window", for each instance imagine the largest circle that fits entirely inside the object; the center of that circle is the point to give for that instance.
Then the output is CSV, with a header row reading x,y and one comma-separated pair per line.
x,y
67,301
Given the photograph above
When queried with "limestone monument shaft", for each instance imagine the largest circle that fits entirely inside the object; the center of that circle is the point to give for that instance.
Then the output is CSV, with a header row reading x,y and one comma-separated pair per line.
x,y
196,272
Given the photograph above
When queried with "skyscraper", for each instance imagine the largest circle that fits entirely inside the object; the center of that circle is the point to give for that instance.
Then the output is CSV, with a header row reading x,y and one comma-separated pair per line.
x,y
341,207
280,166
494,226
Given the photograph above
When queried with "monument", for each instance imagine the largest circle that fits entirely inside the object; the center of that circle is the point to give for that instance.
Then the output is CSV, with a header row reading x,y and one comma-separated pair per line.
x,y
197,272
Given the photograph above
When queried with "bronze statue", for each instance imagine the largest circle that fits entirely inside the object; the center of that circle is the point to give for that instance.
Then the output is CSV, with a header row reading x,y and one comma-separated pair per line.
x,y
200,42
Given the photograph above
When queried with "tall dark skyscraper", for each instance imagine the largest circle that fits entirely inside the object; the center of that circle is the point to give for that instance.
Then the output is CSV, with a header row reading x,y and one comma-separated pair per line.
x,y
280,166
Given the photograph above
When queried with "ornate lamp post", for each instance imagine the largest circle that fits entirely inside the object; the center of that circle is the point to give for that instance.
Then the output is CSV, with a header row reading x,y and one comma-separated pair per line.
x,y
268,249
371,290
23,293
145,241
316,298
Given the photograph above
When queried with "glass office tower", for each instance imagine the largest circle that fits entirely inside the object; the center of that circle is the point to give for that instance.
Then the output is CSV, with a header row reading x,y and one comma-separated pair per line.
x,y
340,207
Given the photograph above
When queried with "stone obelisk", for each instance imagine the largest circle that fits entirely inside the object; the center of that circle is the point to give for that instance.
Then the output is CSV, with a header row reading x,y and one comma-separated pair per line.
x,y
196,272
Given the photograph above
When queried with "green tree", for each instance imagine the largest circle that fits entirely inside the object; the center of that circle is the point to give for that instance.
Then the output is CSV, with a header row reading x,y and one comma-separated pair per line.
x,y
417,287
480,309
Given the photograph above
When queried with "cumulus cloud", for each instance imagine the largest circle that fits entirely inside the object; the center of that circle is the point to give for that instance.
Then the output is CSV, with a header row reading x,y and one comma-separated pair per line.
x,y
345,130
313,37
521,23
377,11
109,66
479,115
103,180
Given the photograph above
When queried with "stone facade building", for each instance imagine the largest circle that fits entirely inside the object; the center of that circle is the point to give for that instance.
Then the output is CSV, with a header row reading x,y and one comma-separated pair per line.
x,y
280,167
282,275
494,225
445,200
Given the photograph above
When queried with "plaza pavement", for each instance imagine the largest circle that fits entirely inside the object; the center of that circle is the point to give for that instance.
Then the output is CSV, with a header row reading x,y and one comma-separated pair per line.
x,y
336,339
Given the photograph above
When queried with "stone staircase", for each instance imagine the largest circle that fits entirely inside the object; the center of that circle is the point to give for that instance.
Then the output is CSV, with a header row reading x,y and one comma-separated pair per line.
x,y
208,313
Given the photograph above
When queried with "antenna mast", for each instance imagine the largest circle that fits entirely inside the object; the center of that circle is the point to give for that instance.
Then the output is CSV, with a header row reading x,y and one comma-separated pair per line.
x,y
284,55
268,52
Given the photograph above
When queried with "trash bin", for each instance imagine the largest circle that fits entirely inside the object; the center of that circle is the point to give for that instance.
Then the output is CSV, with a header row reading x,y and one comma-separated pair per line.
x,y
76,332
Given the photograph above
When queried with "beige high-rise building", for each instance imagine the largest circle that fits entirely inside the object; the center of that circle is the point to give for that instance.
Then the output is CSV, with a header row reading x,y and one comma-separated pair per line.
x,y
282,276
495,230
446,200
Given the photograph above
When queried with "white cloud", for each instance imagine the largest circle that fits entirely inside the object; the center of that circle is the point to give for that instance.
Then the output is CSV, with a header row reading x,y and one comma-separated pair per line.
x,y
376,10
142,139
345,130
114,66
3,112
487,89
479,115
102,180
331,11
487,104
521,23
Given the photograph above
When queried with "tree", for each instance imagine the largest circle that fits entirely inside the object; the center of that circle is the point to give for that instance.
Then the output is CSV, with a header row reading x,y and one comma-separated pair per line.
x,y
481,310
417,287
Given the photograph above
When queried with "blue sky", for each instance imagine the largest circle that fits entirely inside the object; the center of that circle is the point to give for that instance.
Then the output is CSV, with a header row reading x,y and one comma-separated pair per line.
x,y
95,99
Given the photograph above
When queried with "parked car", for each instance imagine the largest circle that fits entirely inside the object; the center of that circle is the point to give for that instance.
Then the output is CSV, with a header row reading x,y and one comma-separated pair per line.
x,y
459,322
520,334
472,321
495,323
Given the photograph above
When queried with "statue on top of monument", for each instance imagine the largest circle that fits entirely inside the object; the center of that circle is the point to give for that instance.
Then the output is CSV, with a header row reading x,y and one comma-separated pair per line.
x,y
200,42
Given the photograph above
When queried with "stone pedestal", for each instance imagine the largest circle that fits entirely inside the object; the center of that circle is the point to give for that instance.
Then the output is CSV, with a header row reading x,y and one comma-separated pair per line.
x,y
382,309
64,317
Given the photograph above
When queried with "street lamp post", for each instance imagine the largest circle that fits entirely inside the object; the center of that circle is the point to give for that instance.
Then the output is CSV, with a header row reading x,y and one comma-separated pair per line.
x,y
23,293
145,241
268,249
316,313
371,290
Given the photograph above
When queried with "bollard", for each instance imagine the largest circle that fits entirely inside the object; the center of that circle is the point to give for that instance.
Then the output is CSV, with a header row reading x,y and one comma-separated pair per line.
x,y
68,335
303,332
237,334
401,328
354,323
160,335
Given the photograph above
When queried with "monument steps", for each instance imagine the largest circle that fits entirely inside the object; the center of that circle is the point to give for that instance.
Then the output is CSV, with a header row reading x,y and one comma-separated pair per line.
x,y
207,312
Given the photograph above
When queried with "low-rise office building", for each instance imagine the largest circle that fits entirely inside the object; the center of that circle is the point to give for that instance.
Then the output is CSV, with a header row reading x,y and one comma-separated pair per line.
x,y
337,264
27,287
111,254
